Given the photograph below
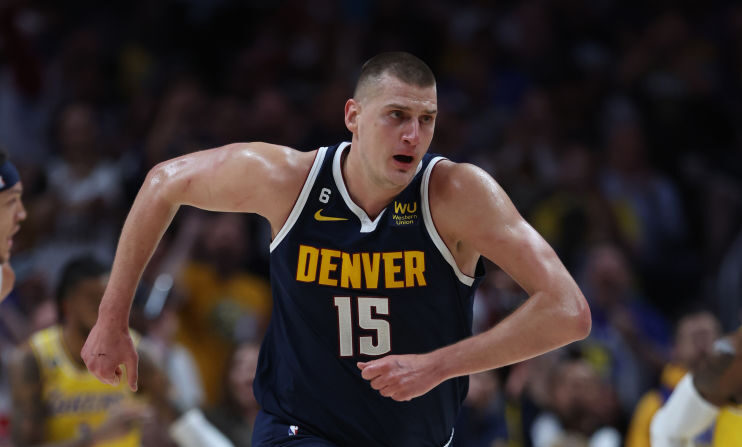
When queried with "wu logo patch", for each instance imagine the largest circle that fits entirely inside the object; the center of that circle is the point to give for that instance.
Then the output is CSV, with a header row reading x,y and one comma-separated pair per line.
x,y
405,213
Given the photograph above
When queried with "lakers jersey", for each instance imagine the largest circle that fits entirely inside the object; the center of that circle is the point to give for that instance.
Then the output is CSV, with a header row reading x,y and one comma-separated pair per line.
x,y
75,401
348,288
728,431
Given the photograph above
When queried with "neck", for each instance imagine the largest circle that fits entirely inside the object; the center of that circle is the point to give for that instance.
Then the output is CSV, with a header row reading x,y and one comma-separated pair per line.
x,y
366,191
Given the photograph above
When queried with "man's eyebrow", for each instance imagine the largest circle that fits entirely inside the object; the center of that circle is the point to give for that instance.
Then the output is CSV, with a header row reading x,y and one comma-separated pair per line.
x,y
407,108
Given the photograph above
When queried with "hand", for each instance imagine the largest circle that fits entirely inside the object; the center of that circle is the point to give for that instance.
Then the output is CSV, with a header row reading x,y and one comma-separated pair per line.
x,y
106,349
401,377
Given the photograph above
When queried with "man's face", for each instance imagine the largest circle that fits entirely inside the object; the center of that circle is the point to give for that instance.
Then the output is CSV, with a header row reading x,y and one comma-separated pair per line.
x,y
12,213
393,124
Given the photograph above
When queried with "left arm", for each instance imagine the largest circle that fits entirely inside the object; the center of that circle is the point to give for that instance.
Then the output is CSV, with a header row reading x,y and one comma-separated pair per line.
x,y
555,314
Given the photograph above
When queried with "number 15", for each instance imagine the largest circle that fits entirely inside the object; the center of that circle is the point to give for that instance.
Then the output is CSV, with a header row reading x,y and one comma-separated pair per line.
x,y
366,320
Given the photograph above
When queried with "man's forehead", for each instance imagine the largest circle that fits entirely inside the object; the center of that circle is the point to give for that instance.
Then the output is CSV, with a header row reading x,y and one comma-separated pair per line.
x,y
15,189
390,90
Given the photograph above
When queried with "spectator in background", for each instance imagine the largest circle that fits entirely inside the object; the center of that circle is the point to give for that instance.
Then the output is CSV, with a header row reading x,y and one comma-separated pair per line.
x,y
582,409
575,214
711,393
650,213
86,185
159,299
694,337
47,378
56,400
235,414
482,420
628,334
224,304
174,359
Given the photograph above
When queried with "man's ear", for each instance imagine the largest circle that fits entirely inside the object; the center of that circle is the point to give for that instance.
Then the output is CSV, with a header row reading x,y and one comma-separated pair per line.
x,y
352,110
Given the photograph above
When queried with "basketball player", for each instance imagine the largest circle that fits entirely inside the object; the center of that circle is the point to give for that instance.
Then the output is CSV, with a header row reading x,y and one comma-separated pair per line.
x,y
374,260
713,393
12,213
56,402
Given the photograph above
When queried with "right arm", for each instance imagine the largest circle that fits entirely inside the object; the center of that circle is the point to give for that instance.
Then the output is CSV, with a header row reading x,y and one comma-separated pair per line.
x,y
252,177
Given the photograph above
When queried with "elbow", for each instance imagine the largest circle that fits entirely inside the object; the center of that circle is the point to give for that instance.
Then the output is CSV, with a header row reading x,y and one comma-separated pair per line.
x,y
160,182
579,317
584,321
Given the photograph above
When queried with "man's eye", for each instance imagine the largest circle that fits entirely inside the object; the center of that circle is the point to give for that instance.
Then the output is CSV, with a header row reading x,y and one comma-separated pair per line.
x,y
395,114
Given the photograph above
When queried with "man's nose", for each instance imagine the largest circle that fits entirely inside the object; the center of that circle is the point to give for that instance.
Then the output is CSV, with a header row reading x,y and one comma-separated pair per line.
x,y
411,135
21,214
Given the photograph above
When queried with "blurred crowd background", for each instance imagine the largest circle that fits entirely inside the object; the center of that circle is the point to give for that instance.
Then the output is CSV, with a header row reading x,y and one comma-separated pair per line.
x,y
613,125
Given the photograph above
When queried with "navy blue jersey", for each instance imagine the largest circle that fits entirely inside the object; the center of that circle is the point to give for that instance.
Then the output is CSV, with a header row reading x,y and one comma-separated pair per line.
x,y
346,289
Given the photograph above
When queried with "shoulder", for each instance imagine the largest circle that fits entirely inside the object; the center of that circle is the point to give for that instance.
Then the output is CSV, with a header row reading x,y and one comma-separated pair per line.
x,y
234,158
462,192
462,185
273,155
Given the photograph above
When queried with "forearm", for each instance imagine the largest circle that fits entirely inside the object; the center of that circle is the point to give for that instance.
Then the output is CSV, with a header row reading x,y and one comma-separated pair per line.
x,y
148,219
536,327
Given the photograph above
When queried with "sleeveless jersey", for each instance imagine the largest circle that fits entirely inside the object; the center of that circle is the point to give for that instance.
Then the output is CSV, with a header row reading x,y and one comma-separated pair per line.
x,y
74,399
346,289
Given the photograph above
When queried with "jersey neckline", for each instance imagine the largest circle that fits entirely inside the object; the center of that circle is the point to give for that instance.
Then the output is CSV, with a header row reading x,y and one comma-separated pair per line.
x,y
367,225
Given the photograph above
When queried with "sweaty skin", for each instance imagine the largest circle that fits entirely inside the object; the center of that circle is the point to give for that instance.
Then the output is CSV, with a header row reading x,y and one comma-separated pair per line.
x,y
392,130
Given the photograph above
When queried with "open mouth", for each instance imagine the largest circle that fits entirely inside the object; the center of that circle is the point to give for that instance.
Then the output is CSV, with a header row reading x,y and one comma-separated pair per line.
x,y
403,158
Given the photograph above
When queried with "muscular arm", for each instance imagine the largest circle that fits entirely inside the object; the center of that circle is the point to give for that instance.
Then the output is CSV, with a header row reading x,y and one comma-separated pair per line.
x,y
475,217
254,177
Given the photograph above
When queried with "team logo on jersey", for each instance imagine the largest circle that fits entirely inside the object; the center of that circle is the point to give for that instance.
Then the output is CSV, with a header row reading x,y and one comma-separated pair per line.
x,y
293,430
319,217
405,213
